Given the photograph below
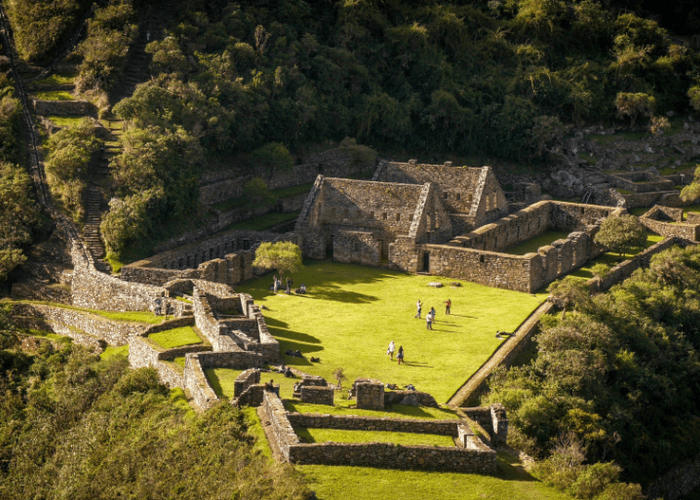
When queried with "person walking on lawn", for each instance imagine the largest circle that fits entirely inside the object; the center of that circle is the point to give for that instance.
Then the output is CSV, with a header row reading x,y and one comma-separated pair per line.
x,y
391,349
399,355
448,304
419,306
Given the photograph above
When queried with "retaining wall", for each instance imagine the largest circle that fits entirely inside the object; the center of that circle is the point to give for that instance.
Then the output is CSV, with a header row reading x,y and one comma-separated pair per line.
x,y
60,320
359,423
61,108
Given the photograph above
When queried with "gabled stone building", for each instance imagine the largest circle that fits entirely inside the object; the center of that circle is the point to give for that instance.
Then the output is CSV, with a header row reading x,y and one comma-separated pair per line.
x,y
358,221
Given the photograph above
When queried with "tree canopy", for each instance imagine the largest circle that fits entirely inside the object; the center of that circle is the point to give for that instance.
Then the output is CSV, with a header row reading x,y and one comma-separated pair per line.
x,y
284,256
619,234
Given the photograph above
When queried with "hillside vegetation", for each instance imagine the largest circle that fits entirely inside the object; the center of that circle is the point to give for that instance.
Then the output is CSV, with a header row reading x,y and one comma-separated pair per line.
x,y
615,381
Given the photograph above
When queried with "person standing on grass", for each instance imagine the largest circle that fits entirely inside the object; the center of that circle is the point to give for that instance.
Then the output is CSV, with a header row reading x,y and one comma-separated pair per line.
x,y
448,304
429,321
391,349
419,306
432,313
399,355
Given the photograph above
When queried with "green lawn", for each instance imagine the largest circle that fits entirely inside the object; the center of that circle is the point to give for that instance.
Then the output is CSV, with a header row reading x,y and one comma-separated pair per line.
x,y
367,483
346,407
307,435
351,313
531,245
286,384
58,79
264,221
115,352
130,316
612,259
176,337
221,380
53,95
66,121
293,190
231,203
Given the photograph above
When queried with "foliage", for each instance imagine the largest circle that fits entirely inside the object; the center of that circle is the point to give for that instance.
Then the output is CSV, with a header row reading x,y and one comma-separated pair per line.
x,y
10,110
18,216
569,292
68,154
257,192
74,426
617,377
621,233
39,27
273,157
658,124
284,256
632,105
691,192
110,32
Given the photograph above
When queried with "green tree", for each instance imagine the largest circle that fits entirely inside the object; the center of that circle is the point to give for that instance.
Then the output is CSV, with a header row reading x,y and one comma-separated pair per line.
x,y
632,105
18,216
691,192
284,256
257,192
621,233
569,293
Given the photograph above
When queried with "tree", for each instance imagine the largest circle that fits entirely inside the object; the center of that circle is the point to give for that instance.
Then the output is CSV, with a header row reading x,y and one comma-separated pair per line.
x,y
691,192
569,292
18,215
284,256
621,233
257,192
631,105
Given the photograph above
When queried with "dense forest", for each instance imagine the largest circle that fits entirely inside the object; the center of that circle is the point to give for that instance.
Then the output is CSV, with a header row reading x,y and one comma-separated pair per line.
x,y
499,78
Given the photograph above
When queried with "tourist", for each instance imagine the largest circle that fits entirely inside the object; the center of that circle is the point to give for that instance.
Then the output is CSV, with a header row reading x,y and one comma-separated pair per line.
x,y
399,355
448,304
390,350
156,307
419,305
429,321
432,313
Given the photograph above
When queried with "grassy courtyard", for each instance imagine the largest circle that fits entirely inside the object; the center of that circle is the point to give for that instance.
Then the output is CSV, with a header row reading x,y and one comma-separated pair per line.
x,y
351,313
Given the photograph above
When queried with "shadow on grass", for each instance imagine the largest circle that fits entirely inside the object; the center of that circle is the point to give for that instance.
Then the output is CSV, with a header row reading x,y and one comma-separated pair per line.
x,y
419,364
511,469
294,336
215,383
345,296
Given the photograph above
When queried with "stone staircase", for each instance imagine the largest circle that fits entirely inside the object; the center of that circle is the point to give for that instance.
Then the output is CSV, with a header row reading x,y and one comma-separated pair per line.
x,y
93,213
152,27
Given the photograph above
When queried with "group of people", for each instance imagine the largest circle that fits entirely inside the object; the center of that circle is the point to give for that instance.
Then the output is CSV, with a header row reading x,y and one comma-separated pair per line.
x,y
277,285
430,317
390,352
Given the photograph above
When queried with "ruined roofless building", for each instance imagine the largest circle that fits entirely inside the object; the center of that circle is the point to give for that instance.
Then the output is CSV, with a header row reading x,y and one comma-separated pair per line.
x,y
357,221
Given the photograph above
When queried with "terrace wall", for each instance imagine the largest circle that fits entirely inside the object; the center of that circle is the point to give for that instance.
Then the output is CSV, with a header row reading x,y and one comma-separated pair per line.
x,y
360,423
195,381
74,107
84,328
212,259
668,221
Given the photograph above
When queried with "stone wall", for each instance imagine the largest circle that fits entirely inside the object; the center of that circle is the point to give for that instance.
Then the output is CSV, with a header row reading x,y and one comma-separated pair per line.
x,y
76,324
397,397
62,108
281,431
195,381
493,419
668,221
317,395
369,394
624,269
236,360
339,162
92,289
245,380
358,423
357,247
211,259
693,218
394,456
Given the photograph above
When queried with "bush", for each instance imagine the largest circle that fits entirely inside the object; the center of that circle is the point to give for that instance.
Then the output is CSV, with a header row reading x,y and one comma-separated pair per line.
x,y
68,155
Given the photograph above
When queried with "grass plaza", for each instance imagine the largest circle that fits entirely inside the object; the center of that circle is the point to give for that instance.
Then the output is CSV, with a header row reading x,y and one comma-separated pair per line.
x,y
351,313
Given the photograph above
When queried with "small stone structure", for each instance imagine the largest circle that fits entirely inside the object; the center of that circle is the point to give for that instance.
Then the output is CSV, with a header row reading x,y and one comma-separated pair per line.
x,y
317,395
308,381
472,455
369,394
493,419
73,107
668,221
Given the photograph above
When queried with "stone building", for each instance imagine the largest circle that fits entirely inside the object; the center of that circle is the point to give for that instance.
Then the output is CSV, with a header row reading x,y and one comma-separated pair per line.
x,y
358,221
